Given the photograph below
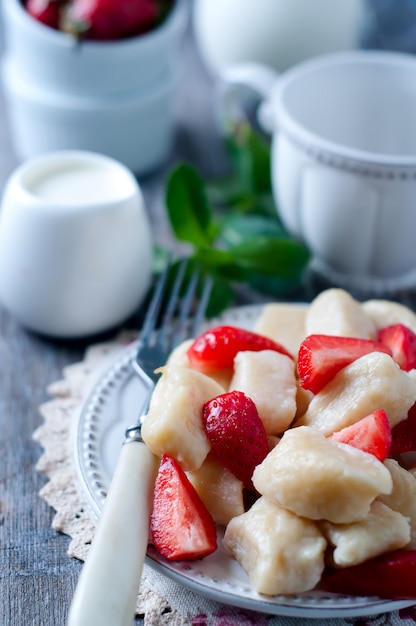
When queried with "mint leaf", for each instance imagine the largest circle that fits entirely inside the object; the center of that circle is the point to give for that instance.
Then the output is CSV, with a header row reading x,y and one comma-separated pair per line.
x,y
271,256
233,224
190,214
236,228
250,156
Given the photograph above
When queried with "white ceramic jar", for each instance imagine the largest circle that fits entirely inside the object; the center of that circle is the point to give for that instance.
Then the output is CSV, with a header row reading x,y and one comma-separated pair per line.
x,y
116,97
75,244
278,33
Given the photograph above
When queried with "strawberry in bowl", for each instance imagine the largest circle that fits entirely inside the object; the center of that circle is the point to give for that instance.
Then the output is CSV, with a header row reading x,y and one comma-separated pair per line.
x,y
103,20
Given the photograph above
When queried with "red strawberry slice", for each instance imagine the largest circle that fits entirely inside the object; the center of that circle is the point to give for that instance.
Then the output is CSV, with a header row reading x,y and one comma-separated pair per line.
x,y
401,340
45,11
182,527
216,348
404,434
391,576
320,357
371,434
236,433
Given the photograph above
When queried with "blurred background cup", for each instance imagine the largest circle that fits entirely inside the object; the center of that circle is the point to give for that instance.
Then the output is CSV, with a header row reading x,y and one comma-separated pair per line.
x,y
278,33
75,244
112,97
343,160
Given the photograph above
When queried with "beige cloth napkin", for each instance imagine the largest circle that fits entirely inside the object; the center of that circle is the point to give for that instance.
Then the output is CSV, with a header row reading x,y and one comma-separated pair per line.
x,y
161,601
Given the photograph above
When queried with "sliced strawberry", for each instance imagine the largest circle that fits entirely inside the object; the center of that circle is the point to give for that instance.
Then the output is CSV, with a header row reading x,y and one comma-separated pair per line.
x,y
401,340
182,527
217,347
237,434
391,575
404,434
320,357
45,11
371,434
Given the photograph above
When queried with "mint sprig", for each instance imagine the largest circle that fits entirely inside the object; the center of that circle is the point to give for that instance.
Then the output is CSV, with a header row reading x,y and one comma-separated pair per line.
x,y
232,226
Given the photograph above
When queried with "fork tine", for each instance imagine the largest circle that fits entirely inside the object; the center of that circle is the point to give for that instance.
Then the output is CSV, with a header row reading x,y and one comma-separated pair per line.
x,y
202,306
154,307
182,324
177,324
176,320
172,302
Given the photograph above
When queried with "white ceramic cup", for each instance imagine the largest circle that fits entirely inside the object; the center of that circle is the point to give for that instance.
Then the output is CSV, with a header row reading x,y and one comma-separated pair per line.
x,y
279,33
343,131
75,244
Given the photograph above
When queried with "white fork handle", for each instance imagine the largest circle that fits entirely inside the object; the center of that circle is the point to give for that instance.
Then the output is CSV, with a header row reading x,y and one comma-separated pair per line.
x,y
109,581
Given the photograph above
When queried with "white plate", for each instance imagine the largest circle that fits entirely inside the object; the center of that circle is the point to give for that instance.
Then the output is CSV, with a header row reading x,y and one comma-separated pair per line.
x,y
113,405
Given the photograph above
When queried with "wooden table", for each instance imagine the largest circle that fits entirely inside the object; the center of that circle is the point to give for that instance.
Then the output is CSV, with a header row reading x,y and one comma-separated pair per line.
x,y
37,576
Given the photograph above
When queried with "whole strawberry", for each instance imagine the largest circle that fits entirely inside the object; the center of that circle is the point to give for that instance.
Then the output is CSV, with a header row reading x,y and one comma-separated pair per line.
x,y
111,19
236,433
45,11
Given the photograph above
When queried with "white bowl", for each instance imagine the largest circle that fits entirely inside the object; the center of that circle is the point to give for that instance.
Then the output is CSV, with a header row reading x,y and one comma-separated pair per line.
x,y
57,62
75,244
137,130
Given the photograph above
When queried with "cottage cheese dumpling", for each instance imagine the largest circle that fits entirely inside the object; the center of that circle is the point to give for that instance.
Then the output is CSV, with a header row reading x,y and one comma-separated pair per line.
x,y
268,378
385,312
382,530
280,552
284,323
370,383
173,424
403,496
219,489
336,312
321,479
179,356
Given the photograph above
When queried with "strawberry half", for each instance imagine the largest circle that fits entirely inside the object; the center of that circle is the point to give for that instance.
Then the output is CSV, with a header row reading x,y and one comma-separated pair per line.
x,y
401,340
236,433
371,434
320,357
404,434
216,348
182,528
45,11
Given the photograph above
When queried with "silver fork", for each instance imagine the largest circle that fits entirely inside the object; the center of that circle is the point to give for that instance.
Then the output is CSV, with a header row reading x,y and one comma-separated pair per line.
x,y
109,581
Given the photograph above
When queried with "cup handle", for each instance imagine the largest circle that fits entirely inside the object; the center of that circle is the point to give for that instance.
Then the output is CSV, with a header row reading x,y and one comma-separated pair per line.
x,y
241,86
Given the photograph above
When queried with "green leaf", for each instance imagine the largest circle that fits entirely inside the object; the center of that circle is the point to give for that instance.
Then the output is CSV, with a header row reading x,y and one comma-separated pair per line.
x,y
236,228
250,156
272,256
190,214
274,286
221,263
